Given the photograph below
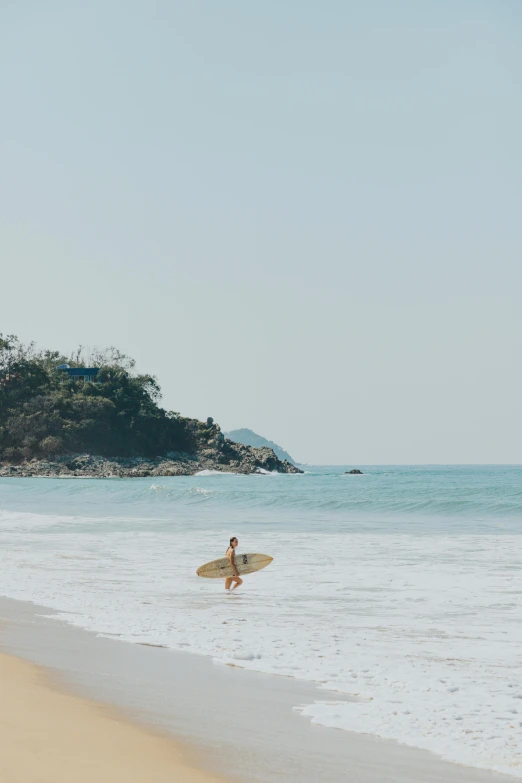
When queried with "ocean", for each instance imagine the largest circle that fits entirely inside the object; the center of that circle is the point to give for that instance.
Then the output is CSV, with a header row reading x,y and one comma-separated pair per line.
x,y
401,587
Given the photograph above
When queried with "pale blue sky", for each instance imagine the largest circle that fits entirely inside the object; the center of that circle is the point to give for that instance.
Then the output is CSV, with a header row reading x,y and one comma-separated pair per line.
x,y
304,217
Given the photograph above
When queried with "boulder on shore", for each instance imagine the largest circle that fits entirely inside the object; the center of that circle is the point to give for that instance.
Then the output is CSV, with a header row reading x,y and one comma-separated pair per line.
x,y
215,453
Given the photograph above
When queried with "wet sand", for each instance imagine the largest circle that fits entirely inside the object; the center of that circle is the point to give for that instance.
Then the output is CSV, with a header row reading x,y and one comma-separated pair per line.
x,y
47,736
225,721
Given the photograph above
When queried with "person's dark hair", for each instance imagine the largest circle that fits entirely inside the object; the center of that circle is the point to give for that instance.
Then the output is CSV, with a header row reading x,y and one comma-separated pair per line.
x,y
234,538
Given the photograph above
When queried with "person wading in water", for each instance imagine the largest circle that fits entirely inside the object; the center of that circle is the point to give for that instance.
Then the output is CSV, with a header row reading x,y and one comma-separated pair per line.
x,y
231,556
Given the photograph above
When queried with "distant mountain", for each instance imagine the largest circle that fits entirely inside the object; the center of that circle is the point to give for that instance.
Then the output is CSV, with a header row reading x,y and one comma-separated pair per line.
x,y
250,438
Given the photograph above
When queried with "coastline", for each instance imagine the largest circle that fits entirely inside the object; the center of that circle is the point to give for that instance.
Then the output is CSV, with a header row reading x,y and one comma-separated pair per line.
x,y
241,460
263,739
49,735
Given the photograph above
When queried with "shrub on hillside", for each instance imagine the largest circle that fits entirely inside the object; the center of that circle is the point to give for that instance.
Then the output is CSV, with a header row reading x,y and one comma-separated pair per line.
x,y
44,412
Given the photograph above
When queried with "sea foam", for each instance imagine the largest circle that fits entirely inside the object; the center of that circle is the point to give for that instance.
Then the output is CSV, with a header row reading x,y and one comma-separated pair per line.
x,y
424,632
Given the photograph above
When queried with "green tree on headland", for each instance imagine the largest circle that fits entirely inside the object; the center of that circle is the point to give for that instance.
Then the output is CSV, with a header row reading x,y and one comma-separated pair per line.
x,y
44,412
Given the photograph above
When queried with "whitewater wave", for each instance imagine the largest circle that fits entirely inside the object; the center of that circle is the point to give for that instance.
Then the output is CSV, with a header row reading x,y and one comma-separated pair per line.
x,y
402,591
425,632
483,499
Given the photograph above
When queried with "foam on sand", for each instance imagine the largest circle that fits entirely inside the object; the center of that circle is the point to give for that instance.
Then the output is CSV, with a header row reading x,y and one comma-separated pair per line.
x,y
425,632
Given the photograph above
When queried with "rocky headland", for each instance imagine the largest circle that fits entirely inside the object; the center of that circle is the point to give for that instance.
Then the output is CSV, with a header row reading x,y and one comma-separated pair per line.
x,y
96,417
219,454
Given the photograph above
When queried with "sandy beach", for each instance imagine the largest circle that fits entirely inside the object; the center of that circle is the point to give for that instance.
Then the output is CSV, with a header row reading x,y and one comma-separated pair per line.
x,y
261,274
78,707
48,736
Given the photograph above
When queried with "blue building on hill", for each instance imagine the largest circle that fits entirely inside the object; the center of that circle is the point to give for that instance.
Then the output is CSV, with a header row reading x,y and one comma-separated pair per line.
x,y
81,373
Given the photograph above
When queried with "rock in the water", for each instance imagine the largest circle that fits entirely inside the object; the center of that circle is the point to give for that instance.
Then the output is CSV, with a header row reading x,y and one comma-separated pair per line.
x,y
354,472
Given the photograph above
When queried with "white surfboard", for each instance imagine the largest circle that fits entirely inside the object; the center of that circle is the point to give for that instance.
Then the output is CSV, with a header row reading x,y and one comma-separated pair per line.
x,y
245,564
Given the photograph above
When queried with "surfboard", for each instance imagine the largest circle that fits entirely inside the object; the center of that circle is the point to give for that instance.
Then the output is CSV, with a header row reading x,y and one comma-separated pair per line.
x,y
245,564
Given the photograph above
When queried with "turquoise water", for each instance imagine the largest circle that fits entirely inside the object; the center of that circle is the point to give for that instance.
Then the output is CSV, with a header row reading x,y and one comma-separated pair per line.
x,y
401,587
421,499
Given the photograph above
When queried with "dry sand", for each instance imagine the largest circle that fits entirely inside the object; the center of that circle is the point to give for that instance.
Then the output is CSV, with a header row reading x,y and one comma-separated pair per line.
x,y
47,736
51,737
